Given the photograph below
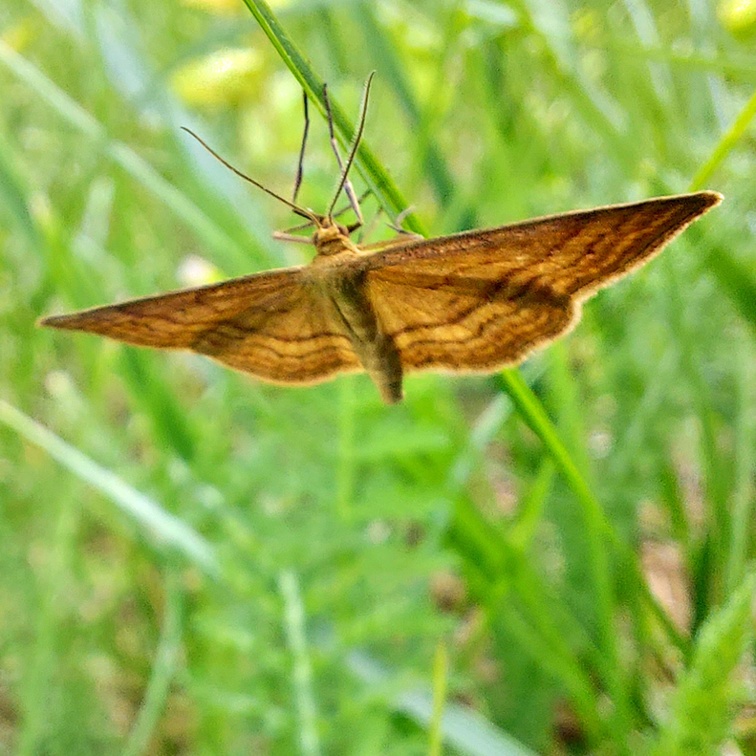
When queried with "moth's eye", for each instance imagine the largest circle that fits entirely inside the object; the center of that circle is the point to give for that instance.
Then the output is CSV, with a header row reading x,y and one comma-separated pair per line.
x,y
343,230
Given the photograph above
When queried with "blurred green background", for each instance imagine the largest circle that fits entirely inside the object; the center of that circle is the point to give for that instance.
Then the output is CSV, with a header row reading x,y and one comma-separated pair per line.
x,y
550,560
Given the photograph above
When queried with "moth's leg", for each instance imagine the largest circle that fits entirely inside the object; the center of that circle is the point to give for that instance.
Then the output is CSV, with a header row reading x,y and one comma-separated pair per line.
x,y
344,209
286,236
396,225
369,227
403,234
291,229
348,189
300,163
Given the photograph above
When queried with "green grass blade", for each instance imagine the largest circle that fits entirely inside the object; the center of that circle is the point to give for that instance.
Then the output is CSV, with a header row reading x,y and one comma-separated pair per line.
x,y
294,624
464,729
517,597
734,277
743,501
702,713
534,414
164,668
162,527
726,144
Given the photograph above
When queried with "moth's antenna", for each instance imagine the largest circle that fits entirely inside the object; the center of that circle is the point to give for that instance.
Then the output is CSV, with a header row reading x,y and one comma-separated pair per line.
x,y
353,201
355,143
300,211
300,164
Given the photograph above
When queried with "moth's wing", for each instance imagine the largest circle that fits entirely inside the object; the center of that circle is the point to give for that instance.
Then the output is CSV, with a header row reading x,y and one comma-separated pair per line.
x,y
269,324
483,299
465,323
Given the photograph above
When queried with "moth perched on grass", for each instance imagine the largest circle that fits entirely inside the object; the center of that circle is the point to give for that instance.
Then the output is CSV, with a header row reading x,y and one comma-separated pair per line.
x,y
474,301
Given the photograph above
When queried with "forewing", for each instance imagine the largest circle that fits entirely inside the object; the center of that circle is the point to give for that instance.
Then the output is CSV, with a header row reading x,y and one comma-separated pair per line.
x,y
483,299
270,324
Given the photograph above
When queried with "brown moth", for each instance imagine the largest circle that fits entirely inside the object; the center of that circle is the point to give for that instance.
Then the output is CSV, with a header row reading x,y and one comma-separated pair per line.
x,y
470,302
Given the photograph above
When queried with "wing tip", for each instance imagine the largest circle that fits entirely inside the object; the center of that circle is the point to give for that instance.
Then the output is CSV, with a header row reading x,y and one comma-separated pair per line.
x,y
691,204
706,199
85,320
54,321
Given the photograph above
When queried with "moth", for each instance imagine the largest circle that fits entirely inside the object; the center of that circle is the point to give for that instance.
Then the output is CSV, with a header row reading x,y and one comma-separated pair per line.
x,y
470,302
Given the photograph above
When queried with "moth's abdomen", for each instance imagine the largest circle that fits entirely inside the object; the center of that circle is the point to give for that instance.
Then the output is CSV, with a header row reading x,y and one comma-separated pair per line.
x,y
372,345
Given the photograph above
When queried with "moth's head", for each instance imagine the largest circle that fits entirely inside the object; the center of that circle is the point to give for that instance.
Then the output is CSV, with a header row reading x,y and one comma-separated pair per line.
x,y
330,237
328,230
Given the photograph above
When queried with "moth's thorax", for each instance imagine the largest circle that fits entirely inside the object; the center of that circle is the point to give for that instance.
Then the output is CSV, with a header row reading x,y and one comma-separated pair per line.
x,y
333,239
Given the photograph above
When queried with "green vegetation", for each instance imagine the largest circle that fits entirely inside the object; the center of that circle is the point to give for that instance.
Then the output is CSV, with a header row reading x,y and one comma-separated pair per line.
x,y
552,560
